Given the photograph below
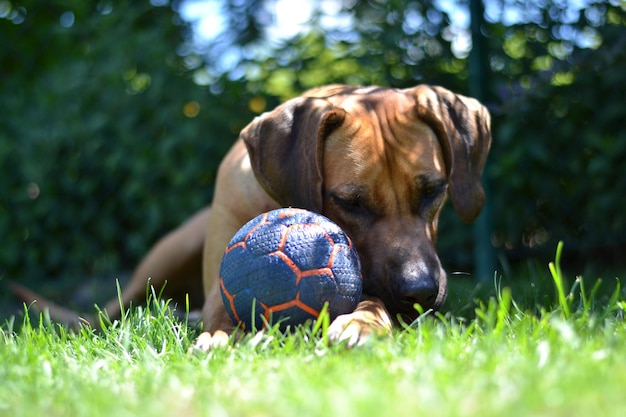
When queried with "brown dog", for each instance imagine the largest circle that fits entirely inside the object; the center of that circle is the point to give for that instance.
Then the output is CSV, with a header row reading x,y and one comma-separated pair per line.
x,y
377,161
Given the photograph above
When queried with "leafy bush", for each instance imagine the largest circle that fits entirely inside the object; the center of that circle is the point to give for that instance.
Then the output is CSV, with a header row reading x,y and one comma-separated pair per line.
x,y
106,143
559,143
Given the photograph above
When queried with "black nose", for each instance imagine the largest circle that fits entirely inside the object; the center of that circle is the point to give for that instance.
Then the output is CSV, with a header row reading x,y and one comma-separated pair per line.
x,y
423,291
419,282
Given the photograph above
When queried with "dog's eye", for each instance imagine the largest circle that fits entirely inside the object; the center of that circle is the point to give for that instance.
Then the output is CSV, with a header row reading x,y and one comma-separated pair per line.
x,y
432,193
352,204
433,190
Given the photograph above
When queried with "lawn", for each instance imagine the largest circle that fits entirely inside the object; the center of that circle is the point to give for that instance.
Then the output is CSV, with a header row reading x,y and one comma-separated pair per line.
x,y
564,359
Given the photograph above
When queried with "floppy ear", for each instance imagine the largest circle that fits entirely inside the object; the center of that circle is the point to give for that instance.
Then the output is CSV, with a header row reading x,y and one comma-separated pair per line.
x,y
462,125
286,149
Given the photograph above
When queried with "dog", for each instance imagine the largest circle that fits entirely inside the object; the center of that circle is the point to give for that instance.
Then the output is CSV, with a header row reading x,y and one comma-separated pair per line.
x,y
380,162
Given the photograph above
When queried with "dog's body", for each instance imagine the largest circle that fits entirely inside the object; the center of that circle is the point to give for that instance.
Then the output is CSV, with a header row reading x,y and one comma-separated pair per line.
x,y
377,161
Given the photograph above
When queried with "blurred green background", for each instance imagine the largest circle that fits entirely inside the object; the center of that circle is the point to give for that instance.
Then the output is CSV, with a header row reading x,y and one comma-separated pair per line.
x,y
115,115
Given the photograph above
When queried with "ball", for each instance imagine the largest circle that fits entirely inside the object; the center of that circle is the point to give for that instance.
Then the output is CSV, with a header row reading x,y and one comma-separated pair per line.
x,y
283,266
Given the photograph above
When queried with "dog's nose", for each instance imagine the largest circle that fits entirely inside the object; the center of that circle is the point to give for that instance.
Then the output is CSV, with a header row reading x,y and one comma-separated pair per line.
x,y
423,291
418,282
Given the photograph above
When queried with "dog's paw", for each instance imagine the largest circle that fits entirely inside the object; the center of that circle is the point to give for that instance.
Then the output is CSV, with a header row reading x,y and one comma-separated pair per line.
x,y
349,331
207,341
369,319
355,329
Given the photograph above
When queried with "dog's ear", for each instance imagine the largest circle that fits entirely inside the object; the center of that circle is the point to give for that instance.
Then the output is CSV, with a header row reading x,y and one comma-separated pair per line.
x,y
286,150
462,125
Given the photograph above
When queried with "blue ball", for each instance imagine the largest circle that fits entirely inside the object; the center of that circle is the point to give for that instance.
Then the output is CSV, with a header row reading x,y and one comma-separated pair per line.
x,y
284,265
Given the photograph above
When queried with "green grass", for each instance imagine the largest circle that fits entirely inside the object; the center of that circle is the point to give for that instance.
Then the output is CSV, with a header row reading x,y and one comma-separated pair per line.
x,y
566,359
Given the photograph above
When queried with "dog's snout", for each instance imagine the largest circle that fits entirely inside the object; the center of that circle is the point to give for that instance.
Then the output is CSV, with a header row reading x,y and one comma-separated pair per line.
x,y
419,283
423,291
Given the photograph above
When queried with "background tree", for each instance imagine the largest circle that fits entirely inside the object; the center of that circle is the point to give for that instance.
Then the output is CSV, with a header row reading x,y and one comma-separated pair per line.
x,y
105,141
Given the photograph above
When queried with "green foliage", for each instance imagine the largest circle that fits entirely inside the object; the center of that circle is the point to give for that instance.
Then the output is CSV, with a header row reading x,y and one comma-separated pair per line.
x,y
558,152
105,142
390,44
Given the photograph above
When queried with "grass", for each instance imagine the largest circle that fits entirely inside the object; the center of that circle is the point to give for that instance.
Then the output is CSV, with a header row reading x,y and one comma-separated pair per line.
x,y
566,359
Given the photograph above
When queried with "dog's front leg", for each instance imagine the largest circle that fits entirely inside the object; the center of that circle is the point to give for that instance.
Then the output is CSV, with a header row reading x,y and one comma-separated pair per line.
x,y
370,318
218,326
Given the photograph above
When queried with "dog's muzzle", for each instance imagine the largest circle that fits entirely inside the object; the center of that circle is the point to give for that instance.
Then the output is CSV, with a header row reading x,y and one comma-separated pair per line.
x,y
417,282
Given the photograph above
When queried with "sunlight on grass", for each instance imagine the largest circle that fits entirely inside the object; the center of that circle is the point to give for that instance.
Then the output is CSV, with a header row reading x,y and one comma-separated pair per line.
x,y
508,359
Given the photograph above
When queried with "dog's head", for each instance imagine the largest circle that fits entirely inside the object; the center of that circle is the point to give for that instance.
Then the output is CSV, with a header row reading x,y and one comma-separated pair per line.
x,y
380,163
